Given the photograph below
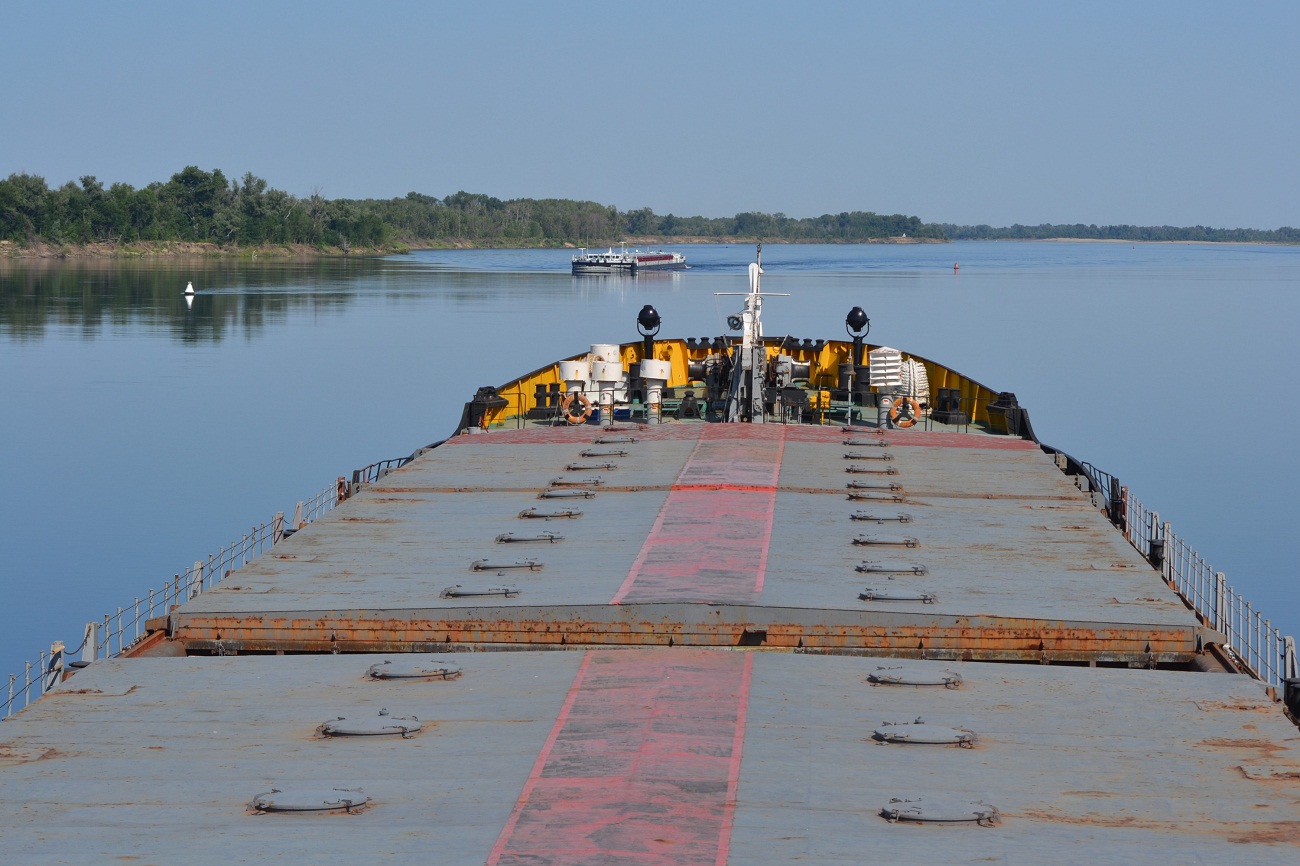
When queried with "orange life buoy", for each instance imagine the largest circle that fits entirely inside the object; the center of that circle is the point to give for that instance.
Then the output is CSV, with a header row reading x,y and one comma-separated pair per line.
x,y
576,408
910,417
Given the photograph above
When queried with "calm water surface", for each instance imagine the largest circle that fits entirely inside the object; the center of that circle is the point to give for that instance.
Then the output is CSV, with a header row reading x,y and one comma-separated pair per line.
x,y
139,434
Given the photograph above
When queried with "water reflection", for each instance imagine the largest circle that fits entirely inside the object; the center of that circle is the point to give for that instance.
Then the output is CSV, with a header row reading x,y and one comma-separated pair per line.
x,y
243,297
88,296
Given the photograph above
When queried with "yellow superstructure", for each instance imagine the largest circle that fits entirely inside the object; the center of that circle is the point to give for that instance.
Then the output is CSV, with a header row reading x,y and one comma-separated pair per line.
x,y
822,359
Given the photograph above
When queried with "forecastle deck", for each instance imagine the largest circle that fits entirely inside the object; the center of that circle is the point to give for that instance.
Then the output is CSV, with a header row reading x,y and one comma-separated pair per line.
x,y
712,535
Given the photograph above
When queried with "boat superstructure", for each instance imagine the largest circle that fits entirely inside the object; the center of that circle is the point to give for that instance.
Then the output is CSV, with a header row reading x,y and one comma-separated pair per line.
x,y
625,261
602,624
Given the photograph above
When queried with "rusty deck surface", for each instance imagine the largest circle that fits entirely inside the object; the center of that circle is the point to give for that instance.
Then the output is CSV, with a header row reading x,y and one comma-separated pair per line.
x,y
710,534
646,756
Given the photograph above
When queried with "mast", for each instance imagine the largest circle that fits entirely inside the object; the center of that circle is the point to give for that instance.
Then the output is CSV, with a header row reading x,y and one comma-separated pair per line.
x,y
749,358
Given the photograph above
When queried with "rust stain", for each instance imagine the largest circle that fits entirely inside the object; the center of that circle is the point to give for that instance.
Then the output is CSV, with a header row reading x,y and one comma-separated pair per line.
x,y
1006,640
1227,743
1253,833
14,756
1268,833
83,693
1211,706
1285,775
1095,820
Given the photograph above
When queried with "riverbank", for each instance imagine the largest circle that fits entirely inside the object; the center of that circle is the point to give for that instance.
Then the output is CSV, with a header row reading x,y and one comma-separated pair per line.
x,y
179,249
186,249
10,251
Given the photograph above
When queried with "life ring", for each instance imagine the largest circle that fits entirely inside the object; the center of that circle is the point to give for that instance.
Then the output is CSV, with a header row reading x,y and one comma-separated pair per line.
x,y
576,400
910,417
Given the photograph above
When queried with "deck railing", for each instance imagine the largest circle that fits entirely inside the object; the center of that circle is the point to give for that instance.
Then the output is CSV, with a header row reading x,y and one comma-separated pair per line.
x,y
375,471
1256,646
1259,648
118,631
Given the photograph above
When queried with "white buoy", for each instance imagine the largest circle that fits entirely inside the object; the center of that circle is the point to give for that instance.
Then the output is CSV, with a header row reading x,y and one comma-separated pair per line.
x,y
189,288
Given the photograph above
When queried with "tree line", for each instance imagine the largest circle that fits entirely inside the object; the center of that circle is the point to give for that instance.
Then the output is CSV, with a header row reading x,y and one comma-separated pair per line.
x,y
1079,231
201,206
194,205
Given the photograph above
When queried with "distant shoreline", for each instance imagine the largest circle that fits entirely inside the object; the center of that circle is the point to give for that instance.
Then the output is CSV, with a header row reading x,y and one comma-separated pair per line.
x,y
278,252
170,250
1123,241
11,251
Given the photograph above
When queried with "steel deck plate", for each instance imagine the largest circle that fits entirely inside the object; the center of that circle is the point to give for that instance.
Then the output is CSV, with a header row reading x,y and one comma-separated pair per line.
x,y
156,761
728,515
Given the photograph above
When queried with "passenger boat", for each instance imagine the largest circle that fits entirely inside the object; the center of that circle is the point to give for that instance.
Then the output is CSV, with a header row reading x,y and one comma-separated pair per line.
x,y
626,261
734,599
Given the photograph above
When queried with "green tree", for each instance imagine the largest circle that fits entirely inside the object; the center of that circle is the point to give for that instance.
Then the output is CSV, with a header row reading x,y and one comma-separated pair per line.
x,y
194,197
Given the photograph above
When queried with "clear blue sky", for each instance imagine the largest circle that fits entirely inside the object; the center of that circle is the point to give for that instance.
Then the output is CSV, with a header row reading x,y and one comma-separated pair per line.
x,y
1176,113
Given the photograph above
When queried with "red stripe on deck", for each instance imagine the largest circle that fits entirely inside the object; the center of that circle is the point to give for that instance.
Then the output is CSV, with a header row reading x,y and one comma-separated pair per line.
x,y
710,541
642,766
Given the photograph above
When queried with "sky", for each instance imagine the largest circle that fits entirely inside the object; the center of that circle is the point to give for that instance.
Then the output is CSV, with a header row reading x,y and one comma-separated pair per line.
x,y
1154,113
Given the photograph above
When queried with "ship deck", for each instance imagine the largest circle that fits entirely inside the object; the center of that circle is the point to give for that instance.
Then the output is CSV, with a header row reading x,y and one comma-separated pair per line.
x,y
713,534
646,756
682,675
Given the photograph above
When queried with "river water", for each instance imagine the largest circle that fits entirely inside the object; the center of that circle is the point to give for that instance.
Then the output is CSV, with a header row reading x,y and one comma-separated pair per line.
x,y
140,434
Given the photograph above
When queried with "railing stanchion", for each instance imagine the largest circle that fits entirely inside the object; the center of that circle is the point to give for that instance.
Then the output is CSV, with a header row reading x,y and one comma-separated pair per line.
x,y
90,642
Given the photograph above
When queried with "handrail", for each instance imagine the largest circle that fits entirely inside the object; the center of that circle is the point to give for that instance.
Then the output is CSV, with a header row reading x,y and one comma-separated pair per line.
x,y
377,470
119,631
1258,647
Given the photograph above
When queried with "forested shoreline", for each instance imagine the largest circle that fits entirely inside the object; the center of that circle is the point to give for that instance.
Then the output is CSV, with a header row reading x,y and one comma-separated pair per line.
x,y
1153,234
197,209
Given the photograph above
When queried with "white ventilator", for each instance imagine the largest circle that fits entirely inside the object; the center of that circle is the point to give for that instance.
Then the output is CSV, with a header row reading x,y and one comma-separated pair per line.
x,y
915,381
576,375
608,376
886,368
607,373
656,375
